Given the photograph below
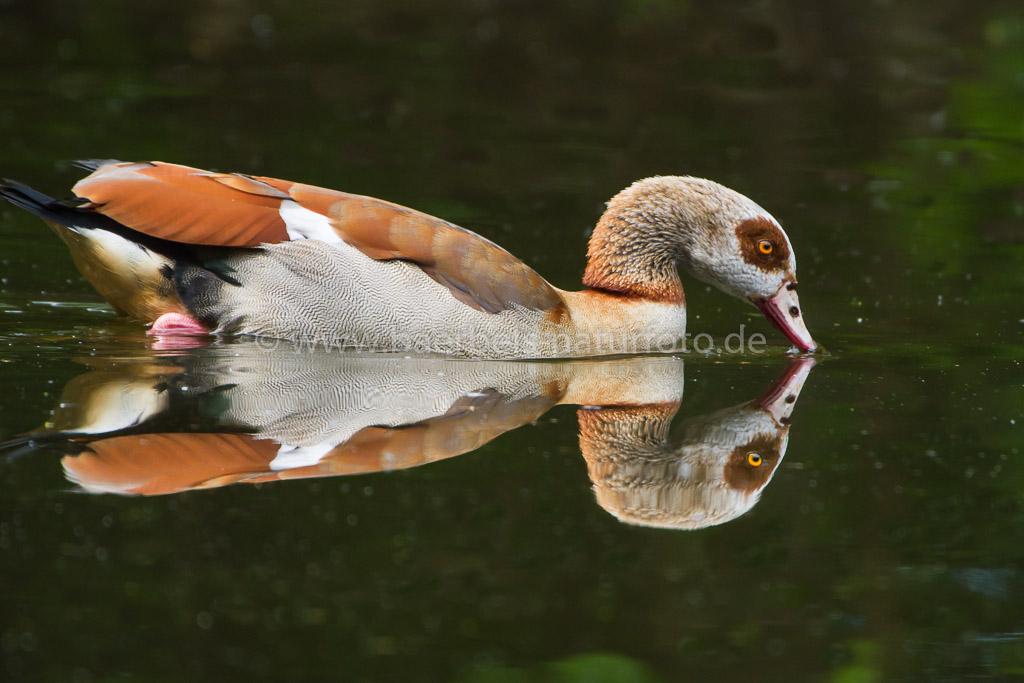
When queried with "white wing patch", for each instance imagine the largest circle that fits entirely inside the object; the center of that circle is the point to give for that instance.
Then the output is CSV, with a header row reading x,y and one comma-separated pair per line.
x,y
290,457
303,224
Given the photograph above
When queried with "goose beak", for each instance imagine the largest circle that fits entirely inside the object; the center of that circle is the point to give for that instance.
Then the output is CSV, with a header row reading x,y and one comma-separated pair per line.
x,y
780,398
783,311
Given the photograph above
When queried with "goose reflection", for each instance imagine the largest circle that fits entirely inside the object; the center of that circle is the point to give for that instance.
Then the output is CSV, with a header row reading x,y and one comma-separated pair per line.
x,y
214,417
713,472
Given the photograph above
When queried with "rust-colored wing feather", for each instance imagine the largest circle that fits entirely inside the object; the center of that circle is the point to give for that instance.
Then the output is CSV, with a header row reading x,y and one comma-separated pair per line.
x,y
183,204
155,464
477,271
470,422
193,206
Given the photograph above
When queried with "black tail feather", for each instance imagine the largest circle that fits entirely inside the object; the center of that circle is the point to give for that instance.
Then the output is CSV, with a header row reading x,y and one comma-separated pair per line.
x,y
93,164
15,448
24,196
60,211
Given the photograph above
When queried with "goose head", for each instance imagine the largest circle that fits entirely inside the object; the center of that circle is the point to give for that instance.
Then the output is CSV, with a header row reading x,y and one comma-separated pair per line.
x,y
720,236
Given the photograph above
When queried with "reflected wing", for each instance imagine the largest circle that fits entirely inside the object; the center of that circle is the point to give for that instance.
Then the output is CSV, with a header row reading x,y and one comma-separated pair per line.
x,y
194,206
155,464
471,422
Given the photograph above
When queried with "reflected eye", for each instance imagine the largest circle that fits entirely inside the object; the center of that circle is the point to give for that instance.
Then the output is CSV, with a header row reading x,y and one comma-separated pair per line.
x,y
765,247
754,459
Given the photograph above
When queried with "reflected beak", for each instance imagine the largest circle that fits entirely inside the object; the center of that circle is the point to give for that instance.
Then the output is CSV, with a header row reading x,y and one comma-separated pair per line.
x,y
780,398
783,311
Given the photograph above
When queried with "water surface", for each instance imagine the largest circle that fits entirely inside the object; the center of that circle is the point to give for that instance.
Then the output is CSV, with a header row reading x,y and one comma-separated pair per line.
x,y
883,545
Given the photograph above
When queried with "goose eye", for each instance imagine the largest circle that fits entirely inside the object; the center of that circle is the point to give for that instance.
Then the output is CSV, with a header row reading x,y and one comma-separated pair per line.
x,y
765,247
754,459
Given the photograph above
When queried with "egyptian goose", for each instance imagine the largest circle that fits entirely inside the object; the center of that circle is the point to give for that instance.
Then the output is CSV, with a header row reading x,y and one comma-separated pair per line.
x,y
203,420
197,252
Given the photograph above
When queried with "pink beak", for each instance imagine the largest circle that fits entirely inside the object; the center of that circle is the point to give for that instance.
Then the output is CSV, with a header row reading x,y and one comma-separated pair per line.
x,y
783,311
780,398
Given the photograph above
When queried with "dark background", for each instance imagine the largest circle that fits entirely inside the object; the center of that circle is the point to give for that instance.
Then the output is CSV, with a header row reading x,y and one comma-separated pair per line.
x,y
885,136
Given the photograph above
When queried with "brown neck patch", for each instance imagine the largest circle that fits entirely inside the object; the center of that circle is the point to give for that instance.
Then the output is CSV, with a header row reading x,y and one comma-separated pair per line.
x,y
621,433
758,235
624,260
741,475
668,290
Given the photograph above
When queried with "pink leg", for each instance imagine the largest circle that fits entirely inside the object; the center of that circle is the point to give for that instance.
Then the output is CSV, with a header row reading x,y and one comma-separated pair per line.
x,y
176,324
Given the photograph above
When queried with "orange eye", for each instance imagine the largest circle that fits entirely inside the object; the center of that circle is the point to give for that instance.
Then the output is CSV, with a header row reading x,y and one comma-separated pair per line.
x,y
754,459
765,247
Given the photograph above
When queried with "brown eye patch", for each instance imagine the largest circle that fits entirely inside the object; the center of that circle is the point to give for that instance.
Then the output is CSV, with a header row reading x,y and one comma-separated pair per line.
x,y
751,465
762,244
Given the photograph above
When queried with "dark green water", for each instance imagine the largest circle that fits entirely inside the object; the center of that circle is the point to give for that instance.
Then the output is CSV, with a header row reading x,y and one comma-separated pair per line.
x,y
888,137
